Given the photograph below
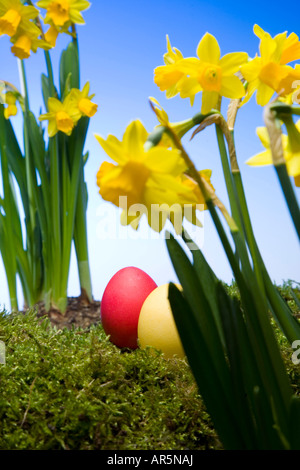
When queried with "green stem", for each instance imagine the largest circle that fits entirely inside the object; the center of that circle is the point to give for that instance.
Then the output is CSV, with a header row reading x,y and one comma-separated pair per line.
x,y
231,190
56,216
80,228
28,162
81,243
237,196
248,228
9,258
69,203
289,195
50,74
33,232
56,245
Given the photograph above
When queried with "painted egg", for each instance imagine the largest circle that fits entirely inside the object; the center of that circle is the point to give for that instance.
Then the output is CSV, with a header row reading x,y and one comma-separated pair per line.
x,y
121,304
156,325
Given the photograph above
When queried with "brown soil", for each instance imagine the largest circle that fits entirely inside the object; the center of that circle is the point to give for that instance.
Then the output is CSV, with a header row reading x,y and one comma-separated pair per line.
x,y
80,314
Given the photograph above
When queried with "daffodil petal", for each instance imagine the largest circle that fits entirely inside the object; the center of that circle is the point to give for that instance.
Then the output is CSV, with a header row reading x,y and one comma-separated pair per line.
x,y
173,184
232,87
291,50
263,135
251,69
261,159
259,32
173,54
86,89
52,128
54,105
76,17
209,101
165,161
267,47
134,138
188,87
113,147
189,66
293,165
172,91
264,94
232,62
208,49
251,88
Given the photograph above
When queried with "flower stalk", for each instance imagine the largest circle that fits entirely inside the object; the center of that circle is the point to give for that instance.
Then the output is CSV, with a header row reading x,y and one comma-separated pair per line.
x,y
274,129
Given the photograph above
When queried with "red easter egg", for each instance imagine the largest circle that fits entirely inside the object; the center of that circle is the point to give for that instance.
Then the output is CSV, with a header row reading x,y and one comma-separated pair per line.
x,y
121,304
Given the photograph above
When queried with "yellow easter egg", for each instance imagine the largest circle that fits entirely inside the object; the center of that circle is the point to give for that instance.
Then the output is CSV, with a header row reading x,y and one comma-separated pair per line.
x,y
156,325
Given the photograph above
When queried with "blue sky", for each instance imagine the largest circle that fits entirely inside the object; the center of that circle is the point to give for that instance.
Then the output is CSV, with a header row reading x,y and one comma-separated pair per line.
x,y
120,45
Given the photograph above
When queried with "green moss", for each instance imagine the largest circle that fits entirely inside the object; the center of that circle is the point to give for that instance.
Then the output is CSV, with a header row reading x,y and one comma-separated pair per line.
x,y
73,389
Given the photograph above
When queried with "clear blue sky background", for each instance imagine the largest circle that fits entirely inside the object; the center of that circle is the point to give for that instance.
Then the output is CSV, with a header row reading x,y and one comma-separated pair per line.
x,y
120,45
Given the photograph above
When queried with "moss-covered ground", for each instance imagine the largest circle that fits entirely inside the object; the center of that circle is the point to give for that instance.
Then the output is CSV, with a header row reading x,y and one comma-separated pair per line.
x,y
73,389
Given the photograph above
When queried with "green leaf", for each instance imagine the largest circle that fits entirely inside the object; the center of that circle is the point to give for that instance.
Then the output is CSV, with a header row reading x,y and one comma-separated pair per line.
x,y
76,141
205,373
195,297
38,149
246,377
85,157
69,65
295,423
229,309
45,90
207,279
67,88
16,163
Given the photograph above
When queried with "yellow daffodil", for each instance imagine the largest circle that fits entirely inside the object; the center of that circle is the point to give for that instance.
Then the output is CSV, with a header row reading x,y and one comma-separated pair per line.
x,y
292,158
62,12
26,40
14,14
287,47
53,31
11,109
212,75
167,76
61,116
147,182
269,73
82,101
